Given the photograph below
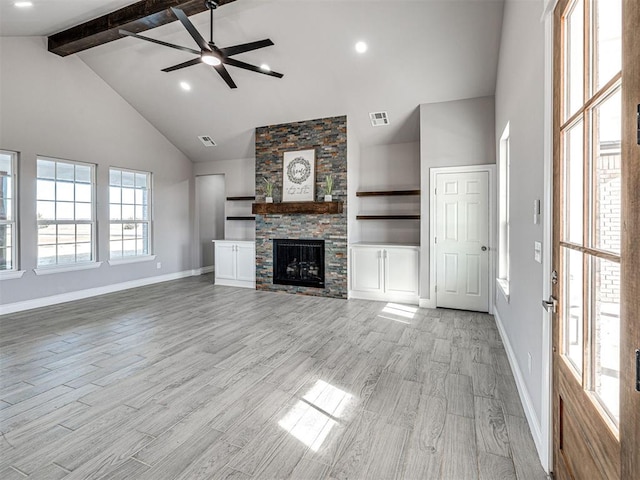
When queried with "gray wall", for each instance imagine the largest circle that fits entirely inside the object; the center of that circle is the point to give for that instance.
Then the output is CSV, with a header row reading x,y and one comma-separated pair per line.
x,y
451,134
390,167
239,178
60,108
210,199
520,101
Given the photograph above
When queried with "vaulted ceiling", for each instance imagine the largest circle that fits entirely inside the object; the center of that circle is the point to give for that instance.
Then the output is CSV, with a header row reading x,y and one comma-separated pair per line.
x,y
419,52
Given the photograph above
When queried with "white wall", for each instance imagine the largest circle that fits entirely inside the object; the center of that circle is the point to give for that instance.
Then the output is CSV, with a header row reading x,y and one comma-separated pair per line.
x,y
451,134
239,179
390,167
520,100
210,216
59,107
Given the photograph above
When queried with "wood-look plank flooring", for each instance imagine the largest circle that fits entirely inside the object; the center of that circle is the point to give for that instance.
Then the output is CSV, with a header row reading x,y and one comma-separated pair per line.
x,y
187,380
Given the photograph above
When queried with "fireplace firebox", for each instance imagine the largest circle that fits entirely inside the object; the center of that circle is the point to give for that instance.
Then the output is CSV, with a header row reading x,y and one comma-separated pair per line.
x,y
298,262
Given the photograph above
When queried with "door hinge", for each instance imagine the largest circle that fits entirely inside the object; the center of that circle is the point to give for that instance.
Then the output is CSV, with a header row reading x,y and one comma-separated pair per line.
x,y
435,239
436,288
435,191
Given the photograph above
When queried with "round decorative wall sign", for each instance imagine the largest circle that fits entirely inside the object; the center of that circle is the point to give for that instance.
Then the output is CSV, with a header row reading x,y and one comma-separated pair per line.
x,y
298,170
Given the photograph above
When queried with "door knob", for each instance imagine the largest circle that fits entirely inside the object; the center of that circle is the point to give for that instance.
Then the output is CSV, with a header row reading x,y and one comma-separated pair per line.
x,y
483,248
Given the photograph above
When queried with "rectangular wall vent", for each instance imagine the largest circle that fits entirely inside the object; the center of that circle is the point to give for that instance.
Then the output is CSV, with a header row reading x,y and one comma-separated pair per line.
x,y
378,119
207,141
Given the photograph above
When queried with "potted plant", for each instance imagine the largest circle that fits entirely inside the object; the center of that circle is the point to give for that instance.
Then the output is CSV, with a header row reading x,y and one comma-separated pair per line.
x,y
268,190
328,188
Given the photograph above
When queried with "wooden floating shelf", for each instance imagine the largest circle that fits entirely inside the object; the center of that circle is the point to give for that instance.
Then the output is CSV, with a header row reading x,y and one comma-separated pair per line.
x,y
388,217
253,197
241,218
297,207
387,193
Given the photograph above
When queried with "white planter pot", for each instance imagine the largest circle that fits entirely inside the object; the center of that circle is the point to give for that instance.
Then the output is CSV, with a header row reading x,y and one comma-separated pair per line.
x,y
268,199
328,198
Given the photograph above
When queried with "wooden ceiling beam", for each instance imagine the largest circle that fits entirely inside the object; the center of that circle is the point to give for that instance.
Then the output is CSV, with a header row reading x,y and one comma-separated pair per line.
x,y
138,17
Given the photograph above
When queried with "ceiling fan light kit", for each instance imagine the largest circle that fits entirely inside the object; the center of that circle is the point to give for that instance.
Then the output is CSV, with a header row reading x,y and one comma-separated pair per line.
x,y
210,53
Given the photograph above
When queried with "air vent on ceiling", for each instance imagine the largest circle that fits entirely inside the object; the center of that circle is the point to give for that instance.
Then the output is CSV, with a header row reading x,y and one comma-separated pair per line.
x,y
378,119
207,141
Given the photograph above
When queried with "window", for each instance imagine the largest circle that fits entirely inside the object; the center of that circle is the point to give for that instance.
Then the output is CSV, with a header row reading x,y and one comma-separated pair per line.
x,y
130,219
66,212
8,227
503,244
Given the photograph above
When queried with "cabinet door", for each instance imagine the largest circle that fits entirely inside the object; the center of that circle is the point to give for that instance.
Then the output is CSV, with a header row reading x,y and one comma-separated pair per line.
x,y
246,263
401,270
366,269
225,266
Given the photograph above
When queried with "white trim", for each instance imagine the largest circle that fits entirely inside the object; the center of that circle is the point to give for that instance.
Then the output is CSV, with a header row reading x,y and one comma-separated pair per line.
x,y
126,260
546,387
525,399
202,270
503,288
234,283
66,268
427,303
90,292
11,274
490,168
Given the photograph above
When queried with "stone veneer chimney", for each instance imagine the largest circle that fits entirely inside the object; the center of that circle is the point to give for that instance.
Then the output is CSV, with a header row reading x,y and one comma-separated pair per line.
x,y
328,138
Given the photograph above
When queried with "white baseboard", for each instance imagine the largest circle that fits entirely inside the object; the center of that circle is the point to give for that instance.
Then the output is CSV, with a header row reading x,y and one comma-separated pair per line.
x,y
202,270
90,292
525,398
427,303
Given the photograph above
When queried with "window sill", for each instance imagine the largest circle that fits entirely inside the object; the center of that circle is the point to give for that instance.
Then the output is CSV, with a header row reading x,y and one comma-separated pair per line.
x,y
503,286
11,274
66,268
138,259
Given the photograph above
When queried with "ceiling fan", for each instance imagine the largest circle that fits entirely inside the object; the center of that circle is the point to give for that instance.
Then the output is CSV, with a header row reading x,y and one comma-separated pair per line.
x,y
209,53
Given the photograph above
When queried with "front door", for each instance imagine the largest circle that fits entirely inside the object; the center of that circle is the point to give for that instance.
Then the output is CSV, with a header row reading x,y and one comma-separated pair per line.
x,y
462,240
589,214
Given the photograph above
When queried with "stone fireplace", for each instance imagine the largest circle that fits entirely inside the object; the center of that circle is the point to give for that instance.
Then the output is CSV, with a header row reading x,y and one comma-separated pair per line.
x,y
328,138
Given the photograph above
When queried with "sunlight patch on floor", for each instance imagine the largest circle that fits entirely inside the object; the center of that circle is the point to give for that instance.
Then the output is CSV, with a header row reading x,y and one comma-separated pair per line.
x,y
311,419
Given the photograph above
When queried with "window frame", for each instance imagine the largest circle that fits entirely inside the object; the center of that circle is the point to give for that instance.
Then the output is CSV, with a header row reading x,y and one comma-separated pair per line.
x,y
149,221
14,222
77,265
504,173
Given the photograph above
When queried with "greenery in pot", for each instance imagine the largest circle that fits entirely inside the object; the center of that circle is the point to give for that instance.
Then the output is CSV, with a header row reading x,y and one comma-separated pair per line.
x,y
268,188
328,185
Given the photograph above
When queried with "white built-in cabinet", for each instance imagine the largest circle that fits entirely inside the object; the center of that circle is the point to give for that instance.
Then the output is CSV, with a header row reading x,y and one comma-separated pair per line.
x,y
386,272
235,263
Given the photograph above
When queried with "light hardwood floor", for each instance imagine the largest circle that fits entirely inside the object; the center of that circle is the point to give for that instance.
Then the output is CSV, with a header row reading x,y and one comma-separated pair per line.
x,y
187,380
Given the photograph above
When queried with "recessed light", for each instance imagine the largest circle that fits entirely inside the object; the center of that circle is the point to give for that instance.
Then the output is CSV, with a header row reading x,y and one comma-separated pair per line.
x,y
23,4
265,67
361,47
185,86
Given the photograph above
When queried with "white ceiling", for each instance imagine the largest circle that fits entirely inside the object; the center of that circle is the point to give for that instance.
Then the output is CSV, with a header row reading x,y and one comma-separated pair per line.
x,y
419,52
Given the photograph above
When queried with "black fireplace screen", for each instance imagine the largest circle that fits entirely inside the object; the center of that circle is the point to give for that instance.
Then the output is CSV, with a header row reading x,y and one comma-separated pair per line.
x,y
298,262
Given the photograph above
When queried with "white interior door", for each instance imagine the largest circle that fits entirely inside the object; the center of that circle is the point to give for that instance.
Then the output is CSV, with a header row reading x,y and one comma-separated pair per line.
x,y
462,240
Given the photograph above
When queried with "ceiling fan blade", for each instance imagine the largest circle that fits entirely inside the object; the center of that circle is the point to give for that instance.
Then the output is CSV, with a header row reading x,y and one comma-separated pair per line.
x,y
191,29
195,61
237,63
225,75
159,42
246,47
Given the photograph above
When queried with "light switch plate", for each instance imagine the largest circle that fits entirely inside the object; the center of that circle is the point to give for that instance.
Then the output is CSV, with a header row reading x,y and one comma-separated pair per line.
x,y
537,252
